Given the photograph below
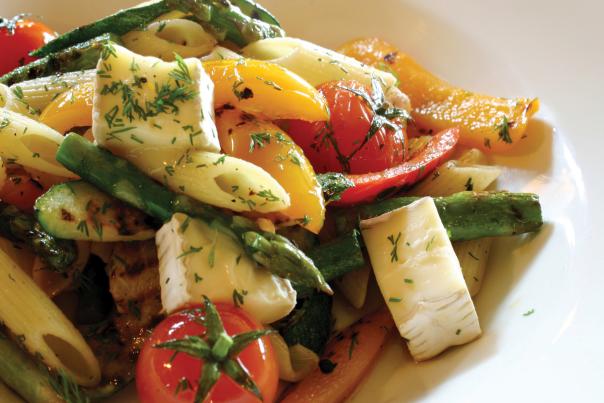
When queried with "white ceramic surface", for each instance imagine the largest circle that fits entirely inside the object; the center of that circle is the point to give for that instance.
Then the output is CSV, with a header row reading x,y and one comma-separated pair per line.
x,y
550,49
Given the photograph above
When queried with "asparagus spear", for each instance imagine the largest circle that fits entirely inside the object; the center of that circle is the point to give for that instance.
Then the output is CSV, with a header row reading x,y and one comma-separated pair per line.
x,y
82,56
336,258
119,23
221,16
17,226
465,215
124,181
228,21
19,371
256,11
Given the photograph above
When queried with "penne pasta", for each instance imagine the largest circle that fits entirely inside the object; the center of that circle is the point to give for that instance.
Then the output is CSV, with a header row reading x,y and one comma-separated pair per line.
x,y
41,328
315,64
473,257
295,362
165,38
40,92
452,178
216,179
456,176
220,53
30,143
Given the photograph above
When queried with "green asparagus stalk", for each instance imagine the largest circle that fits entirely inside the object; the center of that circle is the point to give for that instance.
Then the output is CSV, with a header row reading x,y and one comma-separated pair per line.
x,y
17,226
336,258
223,17
227,21
82,56
23,375
256,11
465,215
119,23
124,181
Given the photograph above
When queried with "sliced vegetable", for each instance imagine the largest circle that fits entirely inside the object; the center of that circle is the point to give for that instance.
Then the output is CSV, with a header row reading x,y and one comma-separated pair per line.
x,y
79,211
420,279
119,23
71,109
19,36
80,56
370,186
365,133
309,324
489,123
196,259
265,145
265,89
227,21
58,254
123,181
347,359
204,353
20,190
465,215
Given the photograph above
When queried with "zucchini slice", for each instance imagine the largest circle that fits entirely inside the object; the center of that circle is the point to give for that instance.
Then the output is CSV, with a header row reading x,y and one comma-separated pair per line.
x,y
79,211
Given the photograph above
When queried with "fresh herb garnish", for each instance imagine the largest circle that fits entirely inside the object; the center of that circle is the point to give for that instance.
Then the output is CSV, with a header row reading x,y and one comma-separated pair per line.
x,y
334,185
504,131
394,252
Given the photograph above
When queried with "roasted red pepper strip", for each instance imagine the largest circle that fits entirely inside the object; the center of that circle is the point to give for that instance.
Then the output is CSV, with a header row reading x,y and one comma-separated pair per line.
x,y
369,186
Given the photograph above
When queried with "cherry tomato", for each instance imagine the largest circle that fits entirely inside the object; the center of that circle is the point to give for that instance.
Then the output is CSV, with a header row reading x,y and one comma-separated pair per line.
x,y
21,191
162,378
18,37
340,146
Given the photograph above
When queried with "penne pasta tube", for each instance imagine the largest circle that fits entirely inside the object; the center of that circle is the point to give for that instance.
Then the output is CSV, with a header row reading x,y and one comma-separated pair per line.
x,y
165,38
215,179
41,328
42,91
314,63
30,143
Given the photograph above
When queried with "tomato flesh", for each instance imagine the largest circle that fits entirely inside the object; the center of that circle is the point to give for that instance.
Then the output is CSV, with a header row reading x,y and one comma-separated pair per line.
x,y
17,41
337,146
159,375
21,191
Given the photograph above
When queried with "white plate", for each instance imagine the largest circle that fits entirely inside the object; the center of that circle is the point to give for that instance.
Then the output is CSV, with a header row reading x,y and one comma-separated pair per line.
x,y
539,48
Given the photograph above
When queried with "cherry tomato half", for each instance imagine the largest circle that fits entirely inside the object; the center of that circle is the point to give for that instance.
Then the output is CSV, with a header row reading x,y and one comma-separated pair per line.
x,y
162,377
339,146
21,191
18,37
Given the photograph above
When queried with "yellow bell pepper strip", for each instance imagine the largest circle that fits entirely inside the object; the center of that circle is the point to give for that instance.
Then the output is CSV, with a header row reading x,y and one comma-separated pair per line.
x,y
265,89
489,123
264,144
70,109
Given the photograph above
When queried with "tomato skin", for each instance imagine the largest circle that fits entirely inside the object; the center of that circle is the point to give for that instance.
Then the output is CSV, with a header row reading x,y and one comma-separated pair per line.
x,y
367,187
21,191
15,46
350,121
157,377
